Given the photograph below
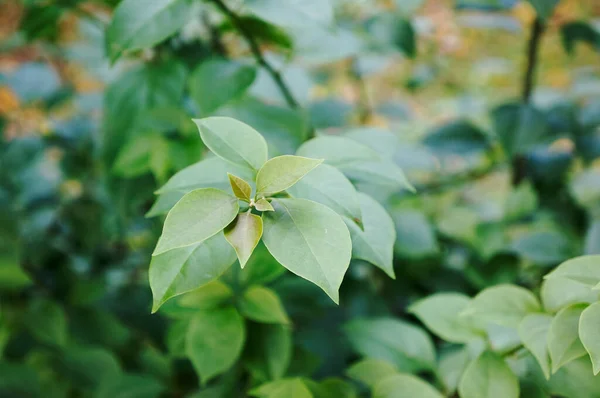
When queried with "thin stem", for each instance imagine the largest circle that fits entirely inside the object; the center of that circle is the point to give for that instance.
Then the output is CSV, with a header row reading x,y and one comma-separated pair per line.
x,y
258,55
537,31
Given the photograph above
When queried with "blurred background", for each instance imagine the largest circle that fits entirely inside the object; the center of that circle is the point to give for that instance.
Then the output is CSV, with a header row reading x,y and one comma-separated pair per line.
x,y
495,118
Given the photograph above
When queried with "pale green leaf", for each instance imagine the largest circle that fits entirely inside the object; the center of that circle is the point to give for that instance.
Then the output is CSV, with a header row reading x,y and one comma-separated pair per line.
x,y
281,172
292,13
134,28
504,305
400,343
215,82
488,376
263,205
241,189
404,385
452,364
214,341
208,173
441,314
589,333
584,269
375,241
371,371
327,185
181,270
558,293
310,240
199,215
233,141
292,388
243,234
262,305
533,331
563,337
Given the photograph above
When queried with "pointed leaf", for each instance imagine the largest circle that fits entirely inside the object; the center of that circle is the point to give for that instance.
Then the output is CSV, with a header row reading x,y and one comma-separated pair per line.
x,y
583,269
371,371
181,270
134,27
310,240
563,337
329,186
214,341
281,172
293,388
215,82
533,332
243,234
262,305
504,305
406,346
558,293
488,376
263,205
199,215
441,314
404,385
375,241
241,189
589,333
233,141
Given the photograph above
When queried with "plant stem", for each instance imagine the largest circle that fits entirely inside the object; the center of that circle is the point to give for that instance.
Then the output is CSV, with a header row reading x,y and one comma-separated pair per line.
x,y
257,53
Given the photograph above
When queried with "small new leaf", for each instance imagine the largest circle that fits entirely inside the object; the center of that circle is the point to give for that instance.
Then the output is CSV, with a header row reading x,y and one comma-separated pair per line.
x,y
263,205
241,188
281,172
243,234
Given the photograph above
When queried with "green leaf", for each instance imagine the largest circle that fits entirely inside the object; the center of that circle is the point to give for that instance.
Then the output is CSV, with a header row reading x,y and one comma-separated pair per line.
x,y
543,247
400,343
47,322
405,38
280,173
563,337
292,13
199,215
241,189
134,28
452,364
214,341
519,127
558,293
90,367
262,268
310,240
415,237
522,201
504,305
327,185
293,388
243,234
488,376
375,241
589,327
584,269
404,385
573,32
371,371
544,8
575,380
263,205
533,331
440,312
356,160
262,305
208,173
331,387
130,386
459,137
215,82
233,141
182,270
268,351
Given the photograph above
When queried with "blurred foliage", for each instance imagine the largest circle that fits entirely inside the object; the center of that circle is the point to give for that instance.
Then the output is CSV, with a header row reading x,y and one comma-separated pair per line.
x,y
95,118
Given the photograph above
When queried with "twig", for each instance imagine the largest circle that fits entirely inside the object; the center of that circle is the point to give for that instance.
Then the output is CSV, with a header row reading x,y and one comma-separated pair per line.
x,y
255,49
537,30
